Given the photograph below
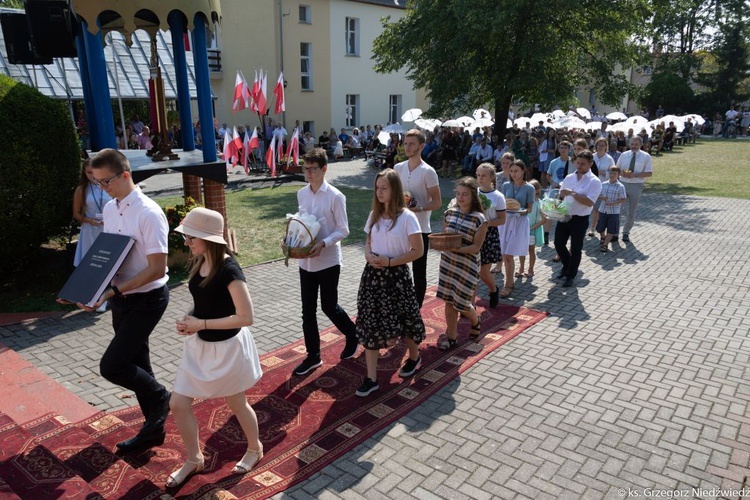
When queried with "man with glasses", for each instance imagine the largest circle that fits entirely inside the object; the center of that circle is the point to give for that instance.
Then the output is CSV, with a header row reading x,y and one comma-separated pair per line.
x,y
138,295
321,269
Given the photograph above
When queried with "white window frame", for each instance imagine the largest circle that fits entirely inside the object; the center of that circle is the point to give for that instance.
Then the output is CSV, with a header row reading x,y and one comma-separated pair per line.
x,y
394,108
309,73
307,19
351,37
351,109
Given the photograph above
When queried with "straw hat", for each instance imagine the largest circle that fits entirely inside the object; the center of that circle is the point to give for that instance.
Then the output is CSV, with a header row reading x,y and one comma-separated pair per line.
x,y
204,224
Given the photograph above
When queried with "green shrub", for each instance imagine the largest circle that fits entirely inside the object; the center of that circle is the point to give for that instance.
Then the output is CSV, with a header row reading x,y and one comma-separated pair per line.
x,y
40,163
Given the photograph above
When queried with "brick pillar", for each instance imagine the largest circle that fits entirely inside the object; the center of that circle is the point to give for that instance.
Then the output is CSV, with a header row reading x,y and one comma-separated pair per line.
x,y
192,187
216,200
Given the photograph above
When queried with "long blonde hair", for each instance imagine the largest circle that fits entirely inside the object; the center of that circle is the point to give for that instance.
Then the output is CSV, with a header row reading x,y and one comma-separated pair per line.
x,y
395,205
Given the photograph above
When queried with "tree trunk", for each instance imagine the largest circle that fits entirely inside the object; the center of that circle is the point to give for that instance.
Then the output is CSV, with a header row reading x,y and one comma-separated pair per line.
x,y
502,106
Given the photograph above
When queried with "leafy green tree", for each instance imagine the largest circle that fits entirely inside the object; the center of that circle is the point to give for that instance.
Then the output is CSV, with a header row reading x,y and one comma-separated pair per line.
x,y
670,90
470,53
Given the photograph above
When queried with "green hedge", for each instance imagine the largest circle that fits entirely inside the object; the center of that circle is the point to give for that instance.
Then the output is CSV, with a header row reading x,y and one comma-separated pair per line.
x,y
40,163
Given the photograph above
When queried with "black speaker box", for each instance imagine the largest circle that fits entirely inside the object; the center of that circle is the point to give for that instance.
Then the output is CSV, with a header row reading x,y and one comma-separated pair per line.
x,y
52,27
17,36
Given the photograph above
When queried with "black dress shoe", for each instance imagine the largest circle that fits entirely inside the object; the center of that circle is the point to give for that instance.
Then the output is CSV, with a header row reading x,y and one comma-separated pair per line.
x,y
625,237
568,283
143,441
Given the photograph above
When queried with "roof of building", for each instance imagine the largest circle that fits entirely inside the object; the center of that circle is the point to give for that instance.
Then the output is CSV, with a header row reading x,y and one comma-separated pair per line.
x,y
127,69
396,4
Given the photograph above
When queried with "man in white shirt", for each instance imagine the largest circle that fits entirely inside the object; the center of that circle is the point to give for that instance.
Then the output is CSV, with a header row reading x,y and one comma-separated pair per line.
x,y
321,269
138,296
636,167
582,188
421,181
484,153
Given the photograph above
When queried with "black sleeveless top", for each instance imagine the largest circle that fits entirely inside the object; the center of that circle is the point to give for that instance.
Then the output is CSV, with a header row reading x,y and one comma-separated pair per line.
x,y
214,300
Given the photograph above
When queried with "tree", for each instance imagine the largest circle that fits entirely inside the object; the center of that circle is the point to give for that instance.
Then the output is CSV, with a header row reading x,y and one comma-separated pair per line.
x,y
470,53
732,52
670,90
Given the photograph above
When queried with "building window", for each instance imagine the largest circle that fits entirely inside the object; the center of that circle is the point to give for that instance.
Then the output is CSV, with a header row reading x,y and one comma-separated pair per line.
x,y
305,14
308,126
305,53
394,108
352,36
352,110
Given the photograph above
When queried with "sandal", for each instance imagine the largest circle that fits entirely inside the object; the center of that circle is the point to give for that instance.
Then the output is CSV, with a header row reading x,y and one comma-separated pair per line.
x,y
179,476
476,329
445,343
529,274
506,291
519,274
496,269
249,460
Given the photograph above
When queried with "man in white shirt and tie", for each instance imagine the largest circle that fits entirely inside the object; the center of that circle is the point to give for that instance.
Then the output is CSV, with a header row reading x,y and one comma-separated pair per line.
x,y
636,167
581,188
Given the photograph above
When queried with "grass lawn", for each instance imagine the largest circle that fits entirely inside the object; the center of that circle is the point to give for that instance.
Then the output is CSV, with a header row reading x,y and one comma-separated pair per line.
x,y
713,167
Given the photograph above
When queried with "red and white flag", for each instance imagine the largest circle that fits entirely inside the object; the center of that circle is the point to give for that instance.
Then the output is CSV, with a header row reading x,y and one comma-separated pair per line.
x,y
226,152
292,151
241,93
262,93
236,140
271,157
250,143
254,93
278,91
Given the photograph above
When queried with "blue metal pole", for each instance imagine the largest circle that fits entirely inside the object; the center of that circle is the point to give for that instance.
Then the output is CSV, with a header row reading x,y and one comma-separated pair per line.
x,y
105,122
88,101
177,28
203,84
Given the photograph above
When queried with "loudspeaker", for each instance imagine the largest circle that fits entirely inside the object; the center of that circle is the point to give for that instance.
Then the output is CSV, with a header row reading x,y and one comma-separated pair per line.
x,y
17,36
52,27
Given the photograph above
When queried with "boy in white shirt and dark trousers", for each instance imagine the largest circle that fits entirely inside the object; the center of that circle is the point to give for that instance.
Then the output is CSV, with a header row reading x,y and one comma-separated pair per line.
x,y
613,195
321,269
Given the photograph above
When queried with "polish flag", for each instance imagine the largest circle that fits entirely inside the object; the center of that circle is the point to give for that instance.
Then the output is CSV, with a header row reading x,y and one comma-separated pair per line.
x,y
292,152
254,93
236,139
278,91
250,143
240,93
262,93
226,151
271,157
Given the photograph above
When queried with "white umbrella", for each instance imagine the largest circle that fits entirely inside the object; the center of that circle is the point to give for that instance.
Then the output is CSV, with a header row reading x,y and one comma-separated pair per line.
x,y
678,122
538,117
617,115
427,123
570,122
521,122
618,127
509,124
697,119
481,123
636,120
411,114
383,137
454,123
558,113
594,126
395,127
585,113
466,120
480,113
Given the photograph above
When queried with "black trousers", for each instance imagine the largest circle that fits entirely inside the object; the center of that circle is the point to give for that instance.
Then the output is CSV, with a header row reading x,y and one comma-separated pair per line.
x,y
126,361
327,281
575,230
419,271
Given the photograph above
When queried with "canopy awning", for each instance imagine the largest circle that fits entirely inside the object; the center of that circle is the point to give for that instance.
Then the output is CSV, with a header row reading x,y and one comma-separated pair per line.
x,y
62,78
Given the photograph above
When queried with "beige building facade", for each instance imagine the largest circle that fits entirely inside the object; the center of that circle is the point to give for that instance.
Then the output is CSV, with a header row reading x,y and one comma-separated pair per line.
x,y
325,50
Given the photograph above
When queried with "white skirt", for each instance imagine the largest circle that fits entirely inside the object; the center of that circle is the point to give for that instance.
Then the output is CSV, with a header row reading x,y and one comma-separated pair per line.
x,y
218,369
514,235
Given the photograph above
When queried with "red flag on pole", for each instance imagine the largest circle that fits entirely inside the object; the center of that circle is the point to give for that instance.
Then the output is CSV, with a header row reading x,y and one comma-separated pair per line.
x,y
292,152
262,94
254,141
240,93
254,93
278,91
226,153
271,157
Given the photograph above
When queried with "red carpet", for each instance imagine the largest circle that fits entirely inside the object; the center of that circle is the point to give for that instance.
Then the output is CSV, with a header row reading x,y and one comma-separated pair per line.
x,y
305,422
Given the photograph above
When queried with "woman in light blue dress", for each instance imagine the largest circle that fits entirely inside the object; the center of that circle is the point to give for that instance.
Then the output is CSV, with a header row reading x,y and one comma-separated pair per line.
x,y
88,206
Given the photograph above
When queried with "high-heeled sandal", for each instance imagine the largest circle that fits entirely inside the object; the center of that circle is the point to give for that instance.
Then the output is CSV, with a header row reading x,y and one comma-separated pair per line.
x,y
180,476
476,329
248,462
445,343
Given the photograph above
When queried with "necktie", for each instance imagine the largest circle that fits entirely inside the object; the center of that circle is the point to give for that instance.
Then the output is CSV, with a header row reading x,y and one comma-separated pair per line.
x,y
567,165
632,163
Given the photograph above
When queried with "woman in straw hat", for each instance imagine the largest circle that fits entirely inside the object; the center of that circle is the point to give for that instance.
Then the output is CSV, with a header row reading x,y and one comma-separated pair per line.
x,y
219,357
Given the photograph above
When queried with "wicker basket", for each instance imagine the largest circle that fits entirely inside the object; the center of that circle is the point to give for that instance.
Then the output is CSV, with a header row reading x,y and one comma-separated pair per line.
x,y
445,241
296,252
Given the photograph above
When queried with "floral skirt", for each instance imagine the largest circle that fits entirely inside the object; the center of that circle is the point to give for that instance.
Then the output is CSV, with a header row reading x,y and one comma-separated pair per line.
x,y
387,307
490,251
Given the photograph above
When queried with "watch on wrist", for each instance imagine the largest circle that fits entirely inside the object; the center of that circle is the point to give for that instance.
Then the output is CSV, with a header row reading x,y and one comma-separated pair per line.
x,y
116,291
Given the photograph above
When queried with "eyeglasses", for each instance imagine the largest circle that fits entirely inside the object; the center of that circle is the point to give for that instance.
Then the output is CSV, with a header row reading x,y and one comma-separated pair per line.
x,y
188,239
106,182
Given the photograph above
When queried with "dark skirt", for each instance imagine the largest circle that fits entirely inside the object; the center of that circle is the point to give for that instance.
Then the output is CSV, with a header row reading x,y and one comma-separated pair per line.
x,y
387,307
490,251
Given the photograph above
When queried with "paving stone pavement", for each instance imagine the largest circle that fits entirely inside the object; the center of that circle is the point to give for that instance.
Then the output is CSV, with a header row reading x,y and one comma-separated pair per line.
x,y
637,380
